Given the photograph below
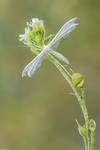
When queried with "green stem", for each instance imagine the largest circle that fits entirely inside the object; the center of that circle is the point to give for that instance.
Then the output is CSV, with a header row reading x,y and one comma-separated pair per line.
x,y
92,140
80,99
85,142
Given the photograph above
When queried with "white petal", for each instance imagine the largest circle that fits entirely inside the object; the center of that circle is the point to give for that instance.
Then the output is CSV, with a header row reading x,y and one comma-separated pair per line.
x,y
63,32
35,20
32,67
60,57
21,37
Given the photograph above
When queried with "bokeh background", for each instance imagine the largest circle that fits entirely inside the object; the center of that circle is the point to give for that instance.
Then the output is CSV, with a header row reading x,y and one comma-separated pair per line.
x,y
39,113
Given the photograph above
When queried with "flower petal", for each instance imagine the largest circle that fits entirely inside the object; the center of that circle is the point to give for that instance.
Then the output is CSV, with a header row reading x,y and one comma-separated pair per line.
x,y
32,67
63,32
60,57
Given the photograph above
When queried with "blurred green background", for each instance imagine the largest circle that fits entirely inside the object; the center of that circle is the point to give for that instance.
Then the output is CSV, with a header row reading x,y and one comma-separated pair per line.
x,y
39,113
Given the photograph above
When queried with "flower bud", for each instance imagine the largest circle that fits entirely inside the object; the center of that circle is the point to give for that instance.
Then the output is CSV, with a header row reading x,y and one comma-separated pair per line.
x,y
77,80
92,125
81,129
34,35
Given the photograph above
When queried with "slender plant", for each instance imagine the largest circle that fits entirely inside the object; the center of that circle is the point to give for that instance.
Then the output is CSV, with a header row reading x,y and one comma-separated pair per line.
x,y
44,47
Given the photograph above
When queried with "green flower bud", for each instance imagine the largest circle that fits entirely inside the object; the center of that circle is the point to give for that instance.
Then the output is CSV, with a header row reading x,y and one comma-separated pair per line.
x,y
92,125
78,80
81,129
34,35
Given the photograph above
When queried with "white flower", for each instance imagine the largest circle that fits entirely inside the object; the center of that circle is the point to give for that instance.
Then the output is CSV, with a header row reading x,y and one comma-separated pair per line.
x,y
36,21
22,37
32,67
29,27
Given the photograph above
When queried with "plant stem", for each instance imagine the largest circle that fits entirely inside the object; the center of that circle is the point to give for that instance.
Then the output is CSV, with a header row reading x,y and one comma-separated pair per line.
x,y
80,99
85,143
92,140
88,141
